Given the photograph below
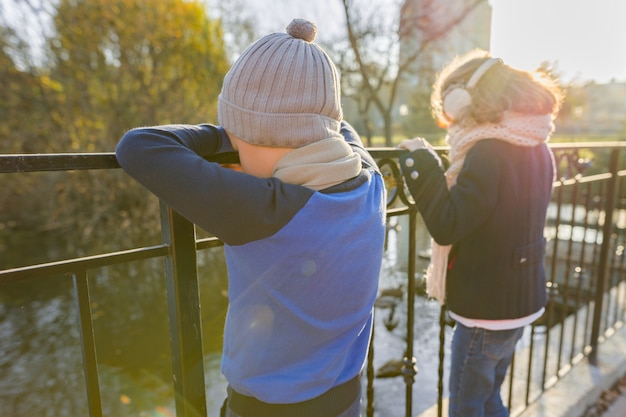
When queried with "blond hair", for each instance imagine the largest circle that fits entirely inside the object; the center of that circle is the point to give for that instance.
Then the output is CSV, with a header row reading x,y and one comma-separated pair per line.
x,y
502,88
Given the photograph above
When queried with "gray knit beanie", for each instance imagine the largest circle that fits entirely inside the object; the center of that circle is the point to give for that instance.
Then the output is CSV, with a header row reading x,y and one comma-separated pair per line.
x,y
282,91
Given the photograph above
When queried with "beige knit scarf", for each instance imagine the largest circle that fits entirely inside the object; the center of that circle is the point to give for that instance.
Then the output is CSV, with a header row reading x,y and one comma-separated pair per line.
x,y
319,165
517,129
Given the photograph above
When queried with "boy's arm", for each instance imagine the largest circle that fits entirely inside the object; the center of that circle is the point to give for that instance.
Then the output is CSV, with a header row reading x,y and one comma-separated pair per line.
x,y
170,161
143,150
204,139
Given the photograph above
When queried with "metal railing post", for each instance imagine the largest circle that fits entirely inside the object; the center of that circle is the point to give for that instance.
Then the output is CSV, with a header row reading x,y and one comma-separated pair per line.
x,y
183,301
607,231
90,362
409,369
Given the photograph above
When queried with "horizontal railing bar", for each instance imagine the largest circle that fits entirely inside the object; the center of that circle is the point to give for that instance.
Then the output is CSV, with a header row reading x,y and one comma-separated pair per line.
x,y
379,152
211,242
81,264
14,163
398,211
95,261
11,163
594,145
57,162
588,178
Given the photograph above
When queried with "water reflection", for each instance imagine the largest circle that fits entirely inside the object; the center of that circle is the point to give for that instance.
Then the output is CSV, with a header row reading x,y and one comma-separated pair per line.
x,y
41,362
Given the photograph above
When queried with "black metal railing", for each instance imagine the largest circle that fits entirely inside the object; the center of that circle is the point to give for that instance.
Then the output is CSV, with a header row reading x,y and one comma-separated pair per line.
x,y
585,259
586,275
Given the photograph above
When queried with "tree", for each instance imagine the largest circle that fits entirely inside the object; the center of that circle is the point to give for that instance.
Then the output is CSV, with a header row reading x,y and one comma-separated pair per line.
x,y
381,53
26,91
135,62
104,67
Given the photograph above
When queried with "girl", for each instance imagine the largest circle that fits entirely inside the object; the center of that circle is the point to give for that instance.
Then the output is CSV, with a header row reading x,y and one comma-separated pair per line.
x,y
486,213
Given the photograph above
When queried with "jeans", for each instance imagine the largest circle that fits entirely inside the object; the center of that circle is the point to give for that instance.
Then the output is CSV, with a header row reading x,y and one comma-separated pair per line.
x,y
480,359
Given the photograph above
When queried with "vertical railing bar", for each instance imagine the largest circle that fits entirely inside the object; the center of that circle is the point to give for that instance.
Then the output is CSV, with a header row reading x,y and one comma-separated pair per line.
x,y
531,351
578,273
552,283
408,365
619,267
611,301
566,276
615,271
606,301
370,371
616,305
88,343
593,267
606,295
442,337
581,272
557,223
511,373
183,303
554,289
622,302
607,230
621,285
579,278
606,298
552,294
623,263
618,260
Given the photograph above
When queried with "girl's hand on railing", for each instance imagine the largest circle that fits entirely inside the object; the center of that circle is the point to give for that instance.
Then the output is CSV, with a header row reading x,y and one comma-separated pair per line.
x,y
418,143
414,144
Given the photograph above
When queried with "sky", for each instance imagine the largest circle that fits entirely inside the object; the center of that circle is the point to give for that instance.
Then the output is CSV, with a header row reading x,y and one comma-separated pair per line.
x,y
585,38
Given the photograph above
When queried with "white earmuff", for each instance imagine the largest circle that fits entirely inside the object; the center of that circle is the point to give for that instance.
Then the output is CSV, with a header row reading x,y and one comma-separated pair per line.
x,y
458,98
454,101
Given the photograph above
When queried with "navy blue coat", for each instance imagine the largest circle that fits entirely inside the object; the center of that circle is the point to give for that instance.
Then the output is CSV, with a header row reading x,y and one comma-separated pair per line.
x,y
494,218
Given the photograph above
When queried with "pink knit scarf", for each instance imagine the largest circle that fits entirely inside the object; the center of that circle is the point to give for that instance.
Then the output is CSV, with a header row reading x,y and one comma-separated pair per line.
x,y
517,129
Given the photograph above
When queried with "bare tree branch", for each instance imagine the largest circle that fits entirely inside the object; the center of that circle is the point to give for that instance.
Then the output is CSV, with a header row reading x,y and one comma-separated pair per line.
x,y
375,51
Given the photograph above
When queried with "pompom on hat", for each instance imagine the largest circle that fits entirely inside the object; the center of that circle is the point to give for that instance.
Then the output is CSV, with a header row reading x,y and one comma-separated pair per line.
x,y
283,91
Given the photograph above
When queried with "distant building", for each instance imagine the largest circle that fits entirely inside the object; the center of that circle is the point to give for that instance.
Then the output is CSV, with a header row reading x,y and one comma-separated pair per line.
x,y
435,31
447,27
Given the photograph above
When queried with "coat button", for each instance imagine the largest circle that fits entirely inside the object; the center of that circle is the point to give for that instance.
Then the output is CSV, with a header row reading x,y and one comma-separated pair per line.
x,y
414,175
522,260
409,162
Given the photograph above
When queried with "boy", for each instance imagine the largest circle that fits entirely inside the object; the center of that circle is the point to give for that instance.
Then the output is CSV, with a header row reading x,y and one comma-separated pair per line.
x,y
303,225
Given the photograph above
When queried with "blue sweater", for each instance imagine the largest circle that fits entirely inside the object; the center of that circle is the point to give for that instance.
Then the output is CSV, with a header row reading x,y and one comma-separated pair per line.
x,y
303,265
